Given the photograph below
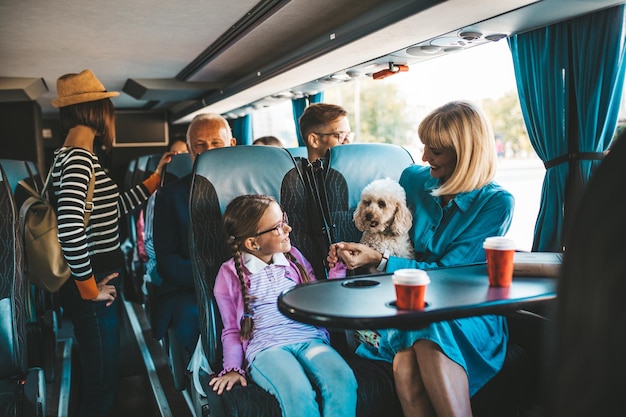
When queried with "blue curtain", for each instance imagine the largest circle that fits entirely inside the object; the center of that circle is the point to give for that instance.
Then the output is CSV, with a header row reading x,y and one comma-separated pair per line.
x,y
242,129
569,80
298,105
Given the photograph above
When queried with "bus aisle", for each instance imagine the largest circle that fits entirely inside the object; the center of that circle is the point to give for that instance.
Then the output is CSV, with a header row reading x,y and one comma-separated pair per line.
x,y
145,385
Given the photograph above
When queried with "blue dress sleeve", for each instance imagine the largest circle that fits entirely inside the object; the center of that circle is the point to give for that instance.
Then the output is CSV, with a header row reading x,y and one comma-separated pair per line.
x,y
452,235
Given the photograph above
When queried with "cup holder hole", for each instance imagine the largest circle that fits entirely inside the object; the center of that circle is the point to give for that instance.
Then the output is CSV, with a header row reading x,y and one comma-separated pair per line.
x,y
361,283
393,304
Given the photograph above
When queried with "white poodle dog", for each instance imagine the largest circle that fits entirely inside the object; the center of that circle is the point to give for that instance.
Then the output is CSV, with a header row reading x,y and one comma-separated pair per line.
x,y
384,219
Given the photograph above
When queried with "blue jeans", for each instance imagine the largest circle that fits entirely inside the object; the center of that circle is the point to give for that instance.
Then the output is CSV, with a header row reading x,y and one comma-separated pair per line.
x,y
288,373
97,333
178,311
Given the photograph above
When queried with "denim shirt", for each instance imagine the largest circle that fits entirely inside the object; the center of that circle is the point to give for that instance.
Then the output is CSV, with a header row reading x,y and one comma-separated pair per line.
x,y
454,234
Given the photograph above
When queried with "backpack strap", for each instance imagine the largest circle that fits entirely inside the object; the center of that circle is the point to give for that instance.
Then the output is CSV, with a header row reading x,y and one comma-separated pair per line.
x,y
90,190
89,202
28,188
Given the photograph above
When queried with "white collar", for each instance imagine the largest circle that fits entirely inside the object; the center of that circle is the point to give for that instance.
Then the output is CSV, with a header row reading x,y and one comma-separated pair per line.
x,y
254,264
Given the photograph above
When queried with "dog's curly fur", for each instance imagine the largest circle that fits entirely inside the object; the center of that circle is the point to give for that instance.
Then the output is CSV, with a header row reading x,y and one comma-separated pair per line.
x,y
383,217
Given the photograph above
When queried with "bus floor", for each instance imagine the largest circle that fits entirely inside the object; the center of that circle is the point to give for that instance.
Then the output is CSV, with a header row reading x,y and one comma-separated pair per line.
x,y
145,385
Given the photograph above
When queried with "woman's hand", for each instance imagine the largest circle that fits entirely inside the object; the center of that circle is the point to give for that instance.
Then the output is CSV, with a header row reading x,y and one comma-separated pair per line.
x,y
354,255
227,381
106,292
165,159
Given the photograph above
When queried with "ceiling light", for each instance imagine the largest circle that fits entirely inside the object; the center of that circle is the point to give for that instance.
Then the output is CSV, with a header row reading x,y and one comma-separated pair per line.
x,y
495,37
430,49
340,77
423,50
470,35
282,95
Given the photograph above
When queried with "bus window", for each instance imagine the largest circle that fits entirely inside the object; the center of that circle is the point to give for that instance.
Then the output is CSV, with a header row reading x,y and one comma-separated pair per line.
x,y
276,120
390,110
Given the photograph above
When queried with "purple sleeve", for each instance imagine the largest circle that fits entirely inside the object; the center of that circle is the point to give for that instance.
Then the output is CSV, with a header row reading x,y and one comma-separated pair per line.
x,y
227,292
338,271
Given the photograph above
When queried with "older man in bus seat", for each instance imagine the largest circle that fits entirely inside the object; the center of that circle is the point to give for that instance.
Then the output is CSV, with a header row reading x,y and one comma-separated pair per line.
x,y
176,305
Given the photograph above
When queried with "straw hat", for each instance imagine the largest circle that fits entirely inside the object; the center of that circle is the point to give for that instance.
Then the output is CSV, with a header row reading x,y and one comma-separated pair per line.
x,y
80,88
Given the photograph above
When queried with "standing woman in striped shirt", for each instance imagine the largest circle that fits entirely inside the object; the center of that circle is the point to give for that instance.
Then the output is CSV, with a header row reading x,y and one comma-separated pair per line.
x,y
284,357
93,252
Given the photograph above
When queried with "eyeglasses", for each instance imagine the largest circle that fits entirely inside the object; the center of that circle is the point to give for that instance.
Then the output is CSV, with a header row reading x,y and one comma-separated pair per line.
x,y
279,228
340,136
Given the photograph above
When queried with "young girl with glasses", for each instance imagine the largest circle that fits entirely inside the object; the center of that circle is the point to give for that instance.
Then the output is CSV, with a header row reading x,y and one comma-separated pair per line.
x,y
285,357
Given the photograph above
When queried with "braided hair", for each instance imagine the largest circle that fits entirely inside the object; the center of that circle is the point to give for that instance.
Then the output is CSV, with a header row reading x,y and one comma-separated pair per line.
x,y
241,220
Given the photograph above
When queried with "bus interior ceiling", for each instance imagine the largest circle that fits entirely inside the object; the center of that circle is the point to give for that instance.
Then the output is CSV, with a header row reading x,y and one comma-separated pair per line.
x,y
230,57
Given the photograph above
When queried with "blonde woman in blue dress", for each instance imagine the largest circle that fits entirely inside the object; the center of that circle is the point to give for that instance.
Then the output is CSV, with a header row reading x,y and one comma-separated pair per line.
x,y
455,205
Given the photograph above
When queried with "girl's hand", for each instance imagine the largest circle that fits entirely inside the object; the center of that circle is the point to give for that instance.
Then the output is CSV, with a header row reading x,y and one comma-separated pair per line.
x,y
106,292
227,381
333,257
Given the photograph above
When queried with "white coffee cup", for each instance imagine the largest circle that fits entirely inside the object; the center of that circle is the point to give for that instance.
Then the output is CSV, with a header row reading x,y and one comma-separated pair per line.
x,y
410,287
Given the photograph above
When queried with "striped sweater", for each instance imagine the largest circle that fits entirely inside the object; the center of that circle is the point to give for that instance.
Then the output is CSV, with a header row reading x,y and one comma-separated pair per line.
x,y
96,247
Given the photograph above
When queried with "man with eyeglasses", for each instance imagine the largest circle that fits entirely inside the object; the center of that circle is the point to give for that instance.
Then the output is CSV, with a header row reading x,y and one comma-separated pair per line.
x,y
322,127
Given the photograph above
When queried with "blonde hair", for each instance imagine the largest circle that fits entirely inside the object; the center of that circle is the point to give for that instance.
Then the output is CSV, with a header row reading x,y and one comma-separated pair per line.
x,y
241,220
462,127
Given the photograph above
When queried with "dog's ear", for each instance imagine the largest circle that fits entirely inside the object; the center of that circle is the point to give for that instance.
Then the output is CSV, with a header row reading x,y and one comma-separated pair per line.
x,y
402,221
358,217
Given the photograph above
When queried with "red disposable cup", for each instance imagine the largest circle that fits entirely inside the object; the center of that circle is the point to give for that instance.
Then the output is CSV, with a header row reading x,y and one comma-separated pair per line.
x,y
410,287
500,252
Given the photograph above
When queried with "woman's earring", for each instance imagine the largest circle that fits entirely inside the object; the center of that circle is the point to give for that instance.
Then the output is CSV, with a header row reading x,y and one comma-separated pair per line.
x,y
257,247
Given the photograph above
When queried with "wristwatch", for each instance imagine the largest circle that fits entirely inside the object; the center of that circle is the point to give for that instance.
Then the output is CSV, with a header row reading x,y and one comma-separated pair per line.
x,y
383,262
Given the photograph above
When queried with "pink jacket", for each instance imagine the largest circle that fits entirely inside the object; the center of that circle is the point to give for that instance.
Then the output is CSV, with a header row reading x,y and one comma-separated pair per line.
x,y
227,292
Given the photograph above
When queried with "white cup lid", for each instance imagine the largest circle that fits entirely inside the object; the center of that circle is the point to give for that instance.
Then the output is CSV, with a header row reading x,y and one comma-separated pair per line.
x,y
410,276
499,242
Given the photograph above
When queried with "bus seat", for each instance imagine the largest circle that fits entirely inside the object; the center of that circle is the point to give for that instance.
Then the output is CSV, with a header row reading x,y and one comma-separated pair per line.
x,y
22,389
219,176
352,167
309,233
142,167
181,165
128,175
298,152
16,171
42,326
512,391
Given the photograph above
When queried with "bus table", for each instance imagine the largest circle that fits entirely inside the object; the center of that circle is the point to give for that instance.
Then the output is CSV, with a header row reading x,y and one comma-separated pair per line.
x,y
368,302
